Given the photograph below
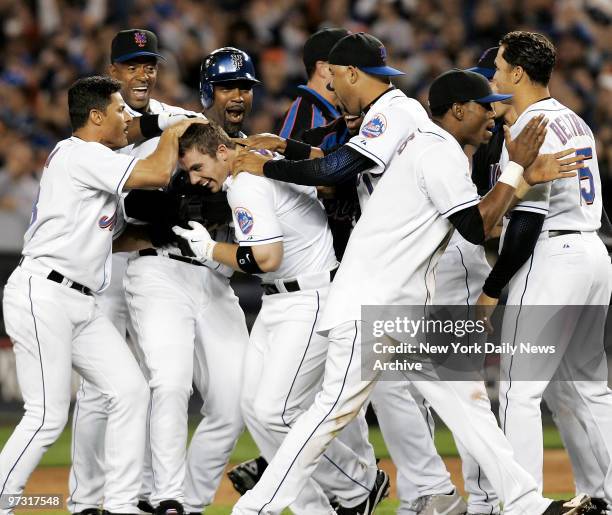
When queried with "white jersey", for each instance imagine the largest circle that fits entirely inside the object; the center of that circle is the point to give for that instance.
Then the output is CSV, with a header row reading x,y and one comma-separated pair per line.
x,y
394,248
73,220
389,120
267,211
569,204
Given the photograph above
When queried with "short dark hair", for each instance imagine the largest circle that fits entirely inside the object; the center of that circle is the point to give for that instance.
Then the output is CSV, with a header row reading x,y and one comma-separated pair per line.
x,y
87,94
205,137
531,51
440,111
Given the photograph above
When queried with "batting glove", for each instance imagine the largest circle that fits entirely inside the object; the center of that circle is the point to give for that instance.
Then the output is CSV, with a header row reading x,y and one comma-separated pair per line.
x,y
166,120
199,240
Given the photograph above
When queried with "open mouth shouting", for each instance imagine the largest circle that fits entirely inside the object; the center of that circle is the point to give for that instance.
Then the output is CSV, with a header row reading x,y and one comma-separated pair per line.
x,y
234,113
140,92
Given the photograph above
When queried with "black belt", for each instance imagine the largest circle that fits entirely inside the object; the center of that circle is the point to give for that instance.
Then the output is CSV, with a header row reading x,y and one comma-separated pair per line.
x,y
56,277
154,252
290,286
552,234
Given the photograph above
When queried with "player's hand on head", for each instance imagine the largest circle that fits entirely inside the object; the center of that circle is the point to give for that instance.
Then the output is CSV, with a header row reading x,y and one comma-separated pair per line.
x,y
265,141
179,127
485,306
251,161
198,239
548,167
525,147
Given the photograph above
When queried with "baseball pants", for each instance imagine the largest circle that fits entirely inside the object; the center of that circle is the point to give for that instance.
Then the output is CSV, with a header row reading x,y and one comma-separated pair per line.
x,y
184,316
464,407
284,369
86,479
55,328
570,271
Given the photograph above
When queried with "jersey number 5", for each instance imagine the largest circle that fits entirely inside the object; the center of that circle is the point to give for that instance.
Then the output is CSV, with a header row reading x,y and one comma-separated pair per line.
x,y
587,186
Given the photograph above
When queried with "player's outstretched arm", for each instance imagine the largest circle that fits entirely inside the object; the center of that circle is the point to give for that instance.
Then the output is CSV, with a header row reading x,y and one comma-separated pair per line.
x,y
336,167
252,260
155,171
291,149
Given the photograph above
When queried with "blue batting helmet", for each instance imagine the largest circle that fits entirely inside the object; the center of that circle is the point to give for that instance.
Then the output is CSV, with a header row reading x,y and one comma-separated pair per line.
x,y
224,65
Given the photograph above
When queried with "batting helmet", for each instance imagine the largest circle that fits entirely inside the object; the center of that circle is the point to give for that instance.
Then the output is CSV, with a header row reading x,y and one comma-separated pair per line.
x,y
224,65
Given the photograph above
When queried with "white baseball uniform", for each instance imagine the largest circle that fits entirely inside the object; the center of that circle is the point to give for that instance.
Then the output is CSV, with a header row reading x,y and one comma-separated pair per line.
x,y
426,181
181,312
569,266
86,480
459,276
404,421
55,327
285,360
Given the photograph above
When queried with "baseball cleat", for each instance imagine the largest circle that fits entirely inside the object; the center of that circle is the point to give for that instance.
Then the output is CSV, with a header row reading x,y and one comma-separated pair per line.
x,y
145,507
245,476
88,511
440,504
579,505
169,507
379,491
601,506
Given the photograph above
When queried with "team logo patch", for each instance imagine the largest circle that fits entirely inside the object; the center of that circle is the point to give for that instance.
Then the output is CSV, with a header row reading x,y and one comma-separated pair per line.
x,y
245,219
140,38
383,53
108,223
375,127
237,61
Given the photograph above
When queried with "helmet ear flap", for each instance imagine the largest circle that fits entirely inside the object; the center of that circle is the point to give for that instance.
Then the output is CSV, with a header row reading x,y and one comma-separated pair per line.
x,y
206,94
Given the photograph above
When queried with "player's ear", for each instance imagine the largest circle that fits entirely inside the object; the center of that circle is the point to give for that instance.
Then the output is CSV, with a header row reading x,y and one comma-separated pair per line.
x,y
517,74
96,116
353,74
457,110
222,152
112,70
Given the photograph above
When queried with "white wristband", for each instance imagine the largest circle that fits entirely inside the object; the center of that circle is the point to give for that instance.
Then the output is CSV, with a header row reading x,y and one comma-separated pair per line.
x,y
209,247
512,174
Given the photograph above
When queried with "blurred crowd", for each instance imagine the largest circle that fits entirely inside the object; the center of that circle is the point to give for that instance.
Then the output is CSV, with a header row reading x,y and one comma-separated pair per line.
x,y
47,44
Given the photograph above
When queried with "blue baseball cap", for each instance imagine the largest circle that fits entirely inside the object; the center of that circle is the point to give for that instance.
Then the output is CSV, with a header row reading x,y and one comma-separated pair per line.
x,y
462,86
363,51
486,64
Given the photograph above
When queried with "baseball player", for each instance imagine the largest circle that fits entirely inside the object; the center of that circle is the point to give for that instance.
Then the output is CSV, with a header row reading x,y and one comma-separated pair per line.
x,y
485,165
406,432
283,229
180,320
50,313
368,269
134,63
554,256
315,105
410,442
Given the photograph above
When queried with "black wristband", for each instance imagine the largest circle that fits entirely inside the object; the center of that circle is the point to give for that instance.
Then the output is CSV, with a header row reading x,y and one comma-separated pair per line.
x,y
246,261
493,288
149,127
296,150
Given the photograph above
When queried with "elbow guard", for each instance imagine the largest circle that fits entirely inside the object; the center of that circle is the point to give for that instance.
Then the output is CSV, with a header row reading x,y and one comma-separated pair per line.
x,y
246,261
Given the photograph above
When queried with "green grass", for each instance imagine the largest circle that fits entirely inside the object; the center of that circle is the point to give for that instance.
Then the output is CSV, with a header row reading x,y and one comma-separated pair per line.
x,y
59,453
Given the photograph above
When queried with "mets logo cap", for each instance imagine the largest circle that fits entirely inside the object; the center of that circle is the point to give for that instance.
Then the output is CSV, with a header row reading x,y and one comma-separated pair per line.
x,y
462,86
363,51
129,44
